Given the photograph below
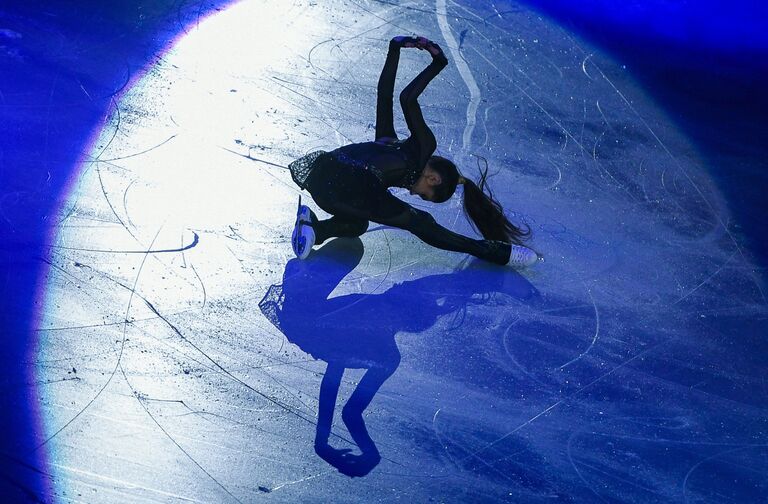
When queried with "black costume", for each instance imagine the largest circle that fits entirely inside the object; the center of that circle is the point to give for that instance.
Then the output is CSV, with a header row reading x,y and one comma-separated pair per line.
x,y
351,182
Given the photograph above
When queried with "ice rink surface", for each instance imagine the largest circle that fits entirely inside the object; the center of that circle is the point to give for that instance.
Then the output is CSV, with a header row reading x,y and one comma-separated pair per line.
x,y
181,349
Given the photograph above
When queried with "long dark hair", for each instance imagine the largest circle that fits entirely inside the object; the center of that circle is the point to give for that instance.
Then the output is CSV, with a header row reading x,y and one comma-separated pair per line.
x,y
484,211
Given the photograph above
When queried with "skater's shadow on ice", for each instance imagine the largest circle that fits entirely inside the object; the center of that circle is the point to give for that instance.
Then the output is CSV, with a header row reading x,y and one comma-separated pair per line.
x,y
358,330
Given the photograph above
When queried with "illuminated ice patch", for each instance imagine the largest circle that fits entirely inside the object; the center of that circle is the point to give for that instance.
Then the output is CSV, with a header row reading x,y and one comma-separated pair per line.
x,y
163,378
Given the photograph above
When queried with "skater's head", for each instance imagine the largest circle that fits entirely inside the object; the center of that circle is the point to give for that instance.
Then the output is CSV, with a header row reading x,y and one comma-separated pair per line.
x,y
438,180
438,183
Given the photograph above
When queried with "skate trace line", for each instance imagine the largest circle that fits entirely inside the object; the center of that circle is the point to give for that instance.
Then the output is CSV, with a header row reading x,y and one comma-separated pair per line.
x,y
594,338
564,399
125,323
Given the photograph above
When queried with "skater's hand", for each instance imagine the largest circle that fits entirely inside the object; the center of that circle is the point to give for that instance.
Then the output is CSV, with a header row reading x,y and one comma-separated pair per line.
x,y
433,48
421,43
436,52
416,41
404,41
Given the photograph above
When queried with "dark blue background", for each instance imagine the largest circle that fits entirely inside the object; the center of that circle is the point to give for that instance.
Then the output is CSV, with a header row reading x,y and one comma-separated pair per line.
x,y
704,62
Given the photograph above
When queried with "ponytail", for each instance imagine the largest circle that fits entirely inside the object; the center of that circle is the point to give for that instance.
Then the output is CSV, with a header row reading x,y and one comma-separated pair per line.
x,y
485,213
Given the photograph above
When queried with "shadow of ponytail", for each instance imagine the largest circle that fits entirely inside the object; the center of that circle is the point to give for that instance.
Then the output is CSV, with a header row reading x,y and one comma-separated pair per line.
x,y
486,214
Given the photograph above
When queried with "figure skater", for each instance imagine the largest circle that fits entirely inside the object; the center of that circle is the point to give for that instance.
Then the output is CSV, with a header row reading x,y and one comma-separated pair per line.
x,y
351,182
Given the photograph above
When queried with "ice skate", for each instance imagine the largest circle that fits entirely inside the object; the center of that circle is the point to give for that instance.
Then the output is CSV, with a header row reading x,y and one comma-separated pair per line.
x,y
303,237
521,257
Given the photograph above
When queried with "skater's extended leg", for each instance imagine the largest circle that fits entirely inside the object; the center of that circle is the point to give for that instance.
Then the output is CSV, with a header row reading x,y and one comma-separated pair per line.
x,y
385,128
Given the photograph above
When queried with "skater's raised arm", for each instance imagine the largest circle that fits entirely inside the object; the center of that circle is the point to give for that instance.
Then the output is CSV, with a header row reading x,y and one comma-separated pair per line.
x,y
421,135
385,129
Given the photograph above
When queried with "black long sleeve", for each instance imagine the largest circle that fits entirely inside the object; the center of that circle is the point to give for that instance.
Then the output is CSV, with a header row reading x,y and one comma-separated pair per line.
x,y
422,141
385,89
421,144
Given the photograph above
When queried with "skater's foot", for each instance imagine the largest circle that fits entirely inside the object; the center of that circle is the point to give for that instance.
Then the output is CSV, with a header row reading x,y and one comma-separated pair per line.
x,y
303,237
521,256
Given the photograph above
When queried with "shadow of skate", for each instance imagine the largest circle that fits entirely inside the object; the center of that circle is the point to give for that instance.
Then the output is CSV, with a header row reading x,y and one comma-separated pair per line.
x,y
358,331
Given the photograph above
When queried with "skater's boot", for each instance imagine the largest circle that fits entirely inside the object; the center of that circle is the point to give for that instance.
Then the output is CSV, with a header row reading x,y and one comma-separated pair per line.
x,y
521,256
303,237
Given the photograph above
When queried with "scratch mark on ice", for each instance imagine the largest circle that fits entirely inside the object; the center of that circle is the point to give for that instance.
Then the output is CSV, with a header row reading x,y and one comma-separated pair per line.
x,y
594,338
